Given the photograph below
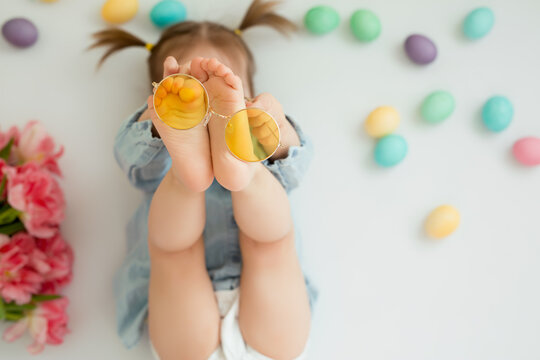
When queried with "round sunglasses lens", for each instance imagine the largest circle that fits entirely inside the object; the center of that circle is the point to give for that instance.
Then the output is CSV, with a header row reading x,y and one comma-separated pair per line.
x,y
252,135
180,101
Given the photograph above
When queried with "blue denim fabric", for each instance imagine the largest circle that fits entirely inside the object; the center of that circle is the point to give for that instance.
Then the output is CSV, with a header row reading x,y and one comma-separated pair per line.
x,y
145,161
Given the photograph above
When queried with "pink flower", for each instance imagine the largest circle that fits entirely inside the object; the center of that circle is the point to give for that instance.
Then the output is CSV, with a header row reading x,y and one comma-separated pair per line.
x,y
57,263
47,325
37,194
35,144
13,132
18,280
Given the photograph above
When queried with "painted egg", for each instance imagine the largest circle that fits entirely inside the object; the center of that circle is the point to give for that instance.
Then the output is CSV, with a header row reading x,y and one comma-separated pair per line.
x,y
321,20
365,25
382,121
119,11
20,32
438,106
527,151
168,12
442,221
497,113
478,23
420,49
390,150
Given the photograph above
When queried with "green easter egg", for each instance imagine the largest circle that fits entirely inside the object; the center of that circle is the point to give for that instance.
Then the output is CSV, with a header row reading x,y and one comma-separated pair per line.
x,y
478,23
390,150
437,106
321,19
497,113
365,25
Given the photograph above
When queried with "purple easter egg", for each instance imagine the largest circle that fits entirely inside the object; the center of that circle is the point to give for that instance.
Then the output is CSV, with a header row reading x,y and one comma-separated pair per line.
x,y
420,49
20,32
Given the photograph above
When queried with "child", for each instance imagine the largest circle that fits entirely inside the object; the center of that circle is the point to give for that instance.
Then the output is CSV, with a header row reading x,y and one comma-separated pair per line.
x,y
212,259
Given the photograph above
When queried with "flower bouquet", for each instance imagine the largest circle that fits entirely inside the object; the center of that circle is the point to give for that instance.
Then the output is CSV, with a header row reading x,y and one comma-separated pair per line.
x,y
35,261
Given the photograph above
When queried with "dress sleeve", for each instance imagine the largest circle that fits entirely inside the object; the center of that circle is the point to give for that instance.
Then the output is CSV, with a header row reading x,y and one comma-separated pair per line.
x,y
143,158
291,169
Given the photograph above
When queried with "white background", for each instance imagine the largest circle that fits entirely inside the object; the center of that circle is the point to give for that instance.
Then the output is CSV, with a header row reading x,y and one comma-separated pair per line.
x,y
387,292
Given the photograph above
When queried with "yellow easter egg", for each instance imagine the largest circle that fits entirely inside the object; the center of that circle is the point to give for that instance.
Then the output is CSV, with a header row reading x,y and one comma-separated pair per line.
x,y
442,221
49,1
382,121
119,11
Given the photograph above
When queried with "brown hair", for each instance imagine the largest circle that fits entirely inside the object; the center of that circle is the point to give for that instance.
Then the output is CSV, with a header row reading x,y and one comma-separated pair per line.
x,y
182,35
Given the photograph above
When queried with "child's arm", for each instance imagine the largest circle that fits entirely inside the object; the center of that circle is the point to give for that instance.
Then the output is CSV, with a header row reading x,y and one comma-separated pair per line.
x,y
140,154
291,160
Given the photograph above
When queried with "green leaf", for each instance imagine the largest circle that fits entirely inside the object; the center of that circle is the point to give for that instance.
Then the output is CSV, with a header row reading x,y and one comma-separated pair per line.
x,y
8,216
13,317
11,229
45,297
6,150
2,310
3,186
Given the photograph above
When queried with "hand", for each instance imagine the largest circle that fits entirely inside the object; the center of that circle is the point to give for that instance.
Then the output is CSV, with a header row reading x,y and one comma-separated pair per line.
x,y
289,137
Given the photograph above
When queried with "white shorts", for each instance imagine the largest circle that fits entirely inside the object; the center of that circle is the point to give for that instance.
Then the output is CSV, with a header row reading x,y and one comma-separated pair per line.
x,y
232,345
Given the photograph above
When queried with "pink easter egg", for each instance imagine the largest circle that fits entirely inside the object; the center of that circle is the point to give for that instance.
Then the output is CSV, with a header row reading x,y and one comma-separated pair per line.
x,y
527,151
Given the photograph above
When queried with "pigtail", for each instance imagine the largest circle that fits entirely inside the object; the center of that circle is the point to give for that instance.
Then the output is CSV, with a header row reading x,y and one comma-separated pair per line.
x,y
262,12
115,40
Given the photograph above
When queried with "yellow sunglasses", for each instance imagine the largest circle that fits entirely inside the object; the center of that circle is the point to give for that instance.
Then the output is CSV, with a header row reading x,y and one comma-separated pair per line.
x,y
182,102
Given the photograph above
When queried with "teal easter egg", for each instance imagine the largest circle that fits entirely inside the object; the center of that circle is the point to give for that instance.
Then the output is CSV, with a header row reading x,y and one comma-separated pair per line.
x,y
168,12
390,150
365,25
478,23
438,106
321,19
497,113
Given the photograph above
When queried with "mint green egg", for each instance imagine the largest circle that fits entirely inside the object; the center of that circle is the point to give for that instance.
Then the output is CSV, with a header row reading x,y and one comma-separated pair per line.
x,y
321,19
365,25
478,23
438,106
497,113
390,150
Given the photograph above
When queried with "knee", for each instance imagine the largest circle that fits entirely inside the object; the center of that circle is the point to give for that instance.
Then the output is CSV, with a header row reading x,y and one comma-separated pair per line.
x,y
173,245
267,252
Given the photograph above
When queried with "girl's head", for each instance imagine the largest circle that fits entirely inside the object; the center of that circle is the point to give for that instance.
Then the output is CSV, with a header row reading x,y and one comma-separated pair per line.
x,y
189,39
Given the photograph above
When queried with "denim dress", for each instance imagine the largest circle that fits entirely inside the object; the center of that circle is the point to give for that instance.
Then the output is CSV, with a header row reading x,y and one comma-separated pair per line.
x,y
145,161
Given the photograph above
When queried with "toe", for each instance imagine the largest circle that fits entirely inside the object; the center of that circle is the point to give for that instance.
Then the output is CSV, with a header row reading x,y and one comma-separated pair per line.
x,y
167,83
197,69
170,66
177,84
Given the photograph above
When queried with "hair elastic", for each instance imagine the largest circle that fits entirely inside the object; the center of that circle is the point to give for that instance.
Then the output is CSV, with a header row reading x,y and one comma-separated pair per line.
x,y
149,46
238,32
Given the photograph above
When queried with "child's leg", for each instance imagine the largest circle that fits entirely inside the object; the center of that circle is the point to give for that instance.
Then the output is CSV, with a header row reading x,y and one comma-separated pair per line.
x,y
183,315
274,314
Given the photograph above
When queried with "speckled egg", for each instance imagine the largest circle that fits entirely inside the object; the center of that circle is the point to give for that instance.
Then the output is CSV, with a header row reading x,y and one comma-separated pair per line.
x,y
382,121
321,20
497,113
420,49
168,12
438,106
527,151
478,23
20,32
119,11
442,221
365,25
390,150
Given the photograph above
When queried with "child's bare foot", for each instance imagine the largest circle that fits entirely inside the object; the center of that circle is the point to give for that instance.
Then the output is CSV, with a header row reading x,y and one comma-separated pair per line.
x,y
189,149
226,97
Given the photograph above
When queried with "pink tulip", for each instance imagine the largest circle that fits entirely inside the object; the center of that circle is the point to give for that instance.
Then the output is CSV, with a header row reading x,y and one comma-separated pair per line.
x,y
35,144
5,137
18,280
35,193
58,263
47,324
